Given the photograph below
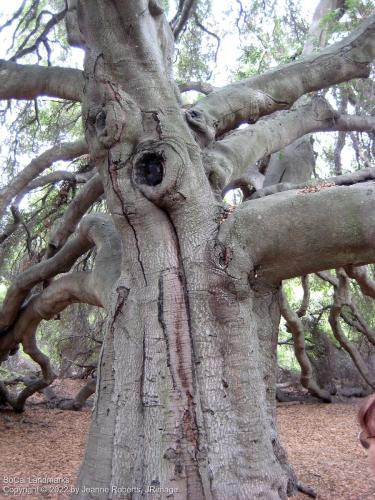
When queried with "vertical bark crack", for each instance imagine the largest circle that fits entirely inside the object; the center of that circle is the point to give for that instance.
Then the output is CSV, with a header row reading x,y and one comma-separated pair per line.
x,y
113,177
174,317
164,328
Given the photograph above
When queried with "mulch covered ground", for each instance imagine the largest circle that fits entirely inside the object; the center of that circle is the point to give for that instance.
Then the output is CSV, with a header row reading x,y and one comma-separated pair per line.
x,y
322,445
321,441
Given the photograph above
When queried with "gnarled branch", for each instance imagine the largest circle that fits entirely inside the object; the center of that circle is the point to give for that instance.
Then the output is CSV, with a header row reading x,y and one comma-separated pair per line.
x,y
184,12
252,98
243,148
64,151
296,328
364,175
340,299
64,227
306,296
202,87
360,274
96,230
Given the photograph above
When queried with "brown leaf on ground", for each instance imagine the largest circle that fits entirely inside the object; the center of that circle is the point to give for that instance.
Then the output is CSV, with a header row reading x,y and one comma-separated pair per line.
x,y
321,440
322,445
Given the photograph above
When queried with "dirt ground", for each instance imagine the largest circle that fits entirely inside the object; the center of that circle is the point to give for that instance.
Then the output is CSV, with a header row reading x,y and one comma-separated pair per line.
x,y
322,445
321,441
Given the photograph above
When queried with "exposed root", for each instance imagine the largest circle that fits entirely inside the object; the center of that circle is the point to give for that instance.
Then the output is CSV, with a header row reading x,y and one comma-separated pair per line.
x,y
306,490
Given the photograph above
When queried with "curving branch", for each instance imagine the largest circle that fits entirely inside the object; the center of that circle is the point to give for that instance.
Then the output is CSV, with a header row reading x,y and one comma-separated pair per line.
x,y
318,32
67,224
76,287
57,176
243,148
340,300
296,328
251,181
355,319
279,88
11,226
360,274
61,152
92,287
96,229
364,175
28,81
81,397
327,276
53,178
306,296
331,226
184,12
202,87
42,37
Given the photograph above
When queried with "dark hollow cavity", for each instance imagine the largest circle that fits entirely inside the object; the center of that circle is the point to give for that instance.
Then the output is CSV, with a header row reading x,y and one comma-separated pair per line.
x,y
149,169
100,120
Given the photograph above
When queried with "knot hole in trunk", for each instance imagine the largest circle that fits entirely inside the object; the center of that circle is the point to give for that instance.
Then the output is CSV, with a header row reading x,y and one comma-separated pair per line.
x,y
149,169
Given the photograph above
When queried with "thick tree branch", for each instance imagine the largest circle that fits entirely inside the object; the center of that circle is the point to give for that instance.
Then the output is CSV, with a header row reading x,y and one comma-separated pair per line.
x,y
185,10
81,397
62,152
327,276
11,225
295,163
27,81
364,175
360,274
202,87
81,203
249,182
295,233
56,176
76,287
96,230
52,178
279,88
297,330
355,123
306,296
318,32
243,148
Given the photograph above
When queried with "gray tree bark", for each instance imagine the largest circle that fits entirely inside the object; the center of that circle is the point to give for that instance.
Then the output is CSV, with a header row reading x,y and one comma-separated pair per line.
x,y
186,394
183,404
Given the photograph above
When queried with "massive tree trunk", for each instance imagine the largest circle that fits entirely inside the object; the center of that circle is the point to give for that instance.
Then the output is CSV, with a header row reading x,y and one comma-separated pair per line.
x,y
184,403
186,395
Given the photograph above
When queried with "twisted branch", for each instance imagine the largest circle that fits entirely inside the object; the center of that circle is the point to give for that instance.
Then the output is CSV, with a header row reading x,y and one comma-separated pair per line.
x,y
297,330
